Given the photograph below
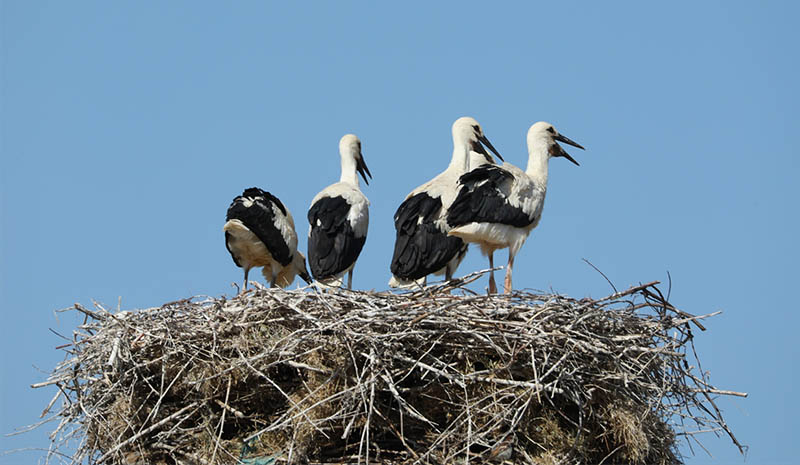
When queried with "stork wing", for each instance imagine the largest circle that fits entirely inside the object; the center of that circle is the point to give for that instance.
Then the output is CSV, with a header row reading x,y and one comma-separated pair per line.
x,y
254,208
332,243
421,246
484,197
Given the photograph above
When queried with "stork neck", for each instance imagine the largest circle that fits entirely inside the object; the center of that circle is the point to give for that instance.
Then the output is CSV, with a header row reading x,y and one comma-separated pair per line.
x,y
538,158
349,170
460,161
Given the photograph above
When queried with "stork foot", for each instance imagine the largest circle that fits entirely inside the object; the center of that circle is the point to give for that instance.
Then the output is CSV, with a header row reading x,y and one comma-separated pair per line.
x,y
244,288
507,284
509,268
492,284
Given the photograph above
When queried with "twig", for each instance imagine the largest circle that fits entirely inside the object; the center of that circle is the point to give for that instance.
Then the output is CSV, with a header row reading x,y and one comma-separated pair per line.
x,y
145,431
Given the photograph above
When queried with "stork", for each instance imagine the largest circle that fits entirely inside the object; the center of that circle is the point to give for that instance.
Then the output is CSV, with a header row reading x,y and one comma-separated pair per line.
x,y
497,207
422,245
259,231
338,219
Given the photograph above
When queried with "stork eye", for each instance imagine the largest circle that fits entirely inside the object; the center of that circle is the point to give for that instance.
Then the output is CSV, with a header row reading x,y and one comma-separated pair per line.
x,y
551,130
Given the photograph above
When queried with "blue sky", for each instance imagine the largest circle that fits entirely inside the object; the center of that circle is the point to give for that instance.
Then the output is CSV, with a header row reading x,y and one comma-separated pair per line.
x,y
127,128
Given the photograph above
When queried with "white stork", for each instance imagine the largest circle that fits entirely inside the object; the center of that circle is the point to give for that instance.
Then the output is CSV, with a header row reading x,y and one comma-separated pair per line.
x,y
422,245
497,207
338,219
259,231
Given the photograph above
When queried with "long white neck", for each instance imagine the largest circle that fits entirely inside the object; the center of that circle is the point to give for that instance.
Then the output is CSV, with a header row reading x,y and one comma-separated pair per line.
x,y
460,161
349,169
538,158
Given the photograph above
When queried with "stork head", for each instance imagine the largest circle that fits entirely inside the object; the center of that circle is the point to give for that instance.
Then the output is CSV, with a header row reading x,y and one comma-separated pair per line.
x,y
467,131
293,269
543,134
350,146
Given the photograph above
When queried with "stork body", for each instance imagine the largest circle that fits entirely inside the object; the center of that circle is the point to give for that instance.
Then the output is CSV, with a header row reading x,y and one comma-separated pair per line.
x,y
422,245
259,231
498,206
338,219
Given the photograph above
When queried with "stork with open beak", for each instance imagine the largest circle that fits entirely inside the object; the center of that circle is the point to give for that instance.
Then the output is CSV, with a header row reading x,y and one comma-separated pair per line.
x,y
498,206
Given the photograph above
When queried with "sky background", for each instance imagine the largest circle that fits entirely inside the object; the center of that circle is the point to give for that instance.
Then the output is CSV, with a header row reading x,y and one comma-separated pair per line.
x,y
127,128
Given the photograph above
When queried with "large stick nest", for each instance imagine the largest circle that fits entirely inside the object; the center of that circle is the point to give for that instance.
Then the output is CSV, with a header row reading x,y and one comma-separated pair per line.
x,y
276,376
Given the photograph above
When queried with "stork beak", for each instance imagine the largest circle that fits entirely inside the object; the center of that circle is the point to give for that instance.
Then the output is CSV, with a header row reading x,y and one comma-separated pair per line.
x,y
562,152
361,166
569,141
304,274
483,140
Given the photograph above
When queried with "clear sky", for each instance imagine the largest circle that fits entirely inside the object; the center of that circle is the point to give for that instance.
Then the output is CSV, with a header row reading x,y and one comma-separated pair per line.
x,y
128,127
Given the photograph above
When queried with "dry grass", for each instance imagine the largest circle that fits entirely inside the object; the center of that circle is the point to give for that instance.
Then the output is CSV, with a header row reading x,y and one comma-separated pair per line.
x,y
276,376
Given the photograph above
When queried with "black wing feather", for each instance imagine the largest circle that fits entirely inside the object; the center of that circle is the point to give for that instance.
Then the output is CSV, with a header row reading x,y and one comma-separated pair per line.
x,y
420,247
259,218
332,245
482,199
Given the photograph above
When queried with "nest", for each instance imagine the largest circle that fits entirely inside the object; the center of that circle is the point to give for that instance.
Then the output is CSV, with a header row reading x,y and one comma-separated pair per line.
x,y
433,376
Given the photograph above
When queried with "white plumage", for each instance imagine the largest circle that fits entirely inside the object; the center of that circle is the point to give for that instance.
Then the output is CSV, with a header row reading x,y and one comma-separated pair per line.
x,y
259,231
339,218
422,245
497,207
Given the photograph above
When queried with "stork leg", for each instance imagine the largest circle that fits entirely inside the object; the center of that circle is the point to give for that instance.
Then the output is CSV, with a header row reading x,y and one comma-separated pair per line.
x,y
508,272
246,271
350,279
492,284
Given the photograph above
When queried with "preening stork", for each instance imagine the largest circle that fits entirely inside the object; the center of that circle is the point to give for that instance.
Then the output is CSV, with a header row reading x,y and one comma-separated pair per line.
x,y
338,219
497,207
422,245
259,231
